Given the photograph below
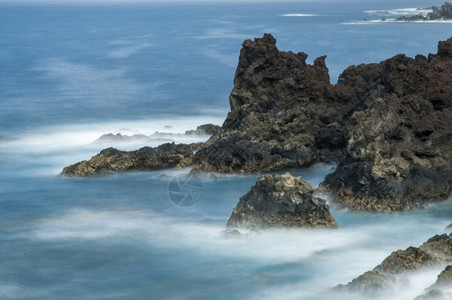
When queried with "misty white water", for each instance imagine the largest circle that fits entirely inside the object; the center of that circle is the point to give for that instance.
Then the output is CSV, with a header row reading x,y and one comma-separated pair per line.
x,y
71,73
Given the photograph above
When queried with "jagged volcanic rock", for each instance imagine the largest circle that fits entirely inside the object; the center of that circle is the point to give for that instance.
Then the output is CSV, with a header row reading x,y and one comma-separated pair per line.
x,y
399,149
389,125
281,201
284,113
168,155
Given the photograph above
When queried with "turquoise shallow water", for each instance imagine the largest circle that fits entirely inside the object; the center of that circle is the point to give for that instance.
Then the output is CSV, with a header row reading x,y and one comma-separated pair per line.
x,y
70,73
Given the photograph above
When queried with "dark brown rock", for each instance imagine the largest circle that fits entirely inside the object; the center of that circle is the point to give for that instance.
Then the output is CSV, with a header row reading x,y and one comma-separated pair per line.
x,y
284,114
389,125
399,149
147,158
281,201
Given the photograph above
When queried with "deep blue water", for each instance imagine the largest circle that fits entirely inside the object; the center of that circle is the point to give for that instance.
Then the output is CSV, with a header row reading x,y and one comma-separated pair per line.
x,y
72,72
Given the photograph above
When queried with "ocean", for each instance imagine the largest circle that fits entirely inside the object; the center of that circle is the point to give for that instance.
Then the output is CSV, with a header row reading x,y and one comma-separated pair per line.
x,y
71,72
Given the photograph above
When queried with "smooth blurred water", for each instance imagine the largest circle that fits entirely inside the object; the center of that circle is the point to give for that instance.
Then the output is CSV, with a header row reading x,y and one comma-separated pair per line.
x,y
72,72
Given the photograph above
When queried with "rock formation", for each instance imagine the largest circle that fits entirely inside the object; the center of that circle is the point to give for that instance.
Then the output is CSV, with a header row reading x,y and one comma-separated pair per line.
x,y
281,201
168,155
284,113
438,13
399,149
389,125
436,251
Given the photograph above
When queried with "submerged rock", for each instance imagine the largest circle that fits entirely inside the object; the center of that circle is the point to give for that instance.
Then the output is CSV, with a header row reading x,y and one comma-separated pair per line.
x,y
168,155
436,251
281,201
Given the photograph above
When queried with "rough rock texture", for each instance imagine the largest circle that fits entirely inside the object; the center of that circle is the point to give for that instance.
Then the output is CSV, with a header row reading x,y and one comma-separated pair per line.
x,y
281,201
393,120
284,113
206,129
438,13
370,283
147,158
399,149
436,251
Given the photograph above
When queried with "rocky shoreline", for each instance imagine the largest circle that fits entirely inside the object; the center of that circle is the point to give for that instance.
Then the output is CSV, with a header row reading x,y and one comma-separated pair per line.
x,y
387,124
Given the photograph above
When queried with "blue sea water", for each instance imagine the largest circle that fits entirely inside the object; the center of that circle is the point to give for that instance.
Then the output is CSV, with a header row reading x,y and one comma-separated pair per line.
x,y
71,72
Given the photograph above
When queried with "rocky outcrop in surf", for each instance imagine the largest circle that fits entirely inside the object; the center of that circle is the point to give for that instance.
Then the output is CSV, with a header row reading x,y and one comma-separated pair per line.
x,y
388,124
392,120
281,201
284,113
168,155
384,278
399,149
438,13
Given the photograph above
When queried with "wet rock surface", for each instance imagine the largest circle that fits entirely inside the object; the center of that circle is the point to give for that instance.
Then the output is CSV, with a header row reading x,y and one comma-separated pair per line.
x,y
281,201
168,155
